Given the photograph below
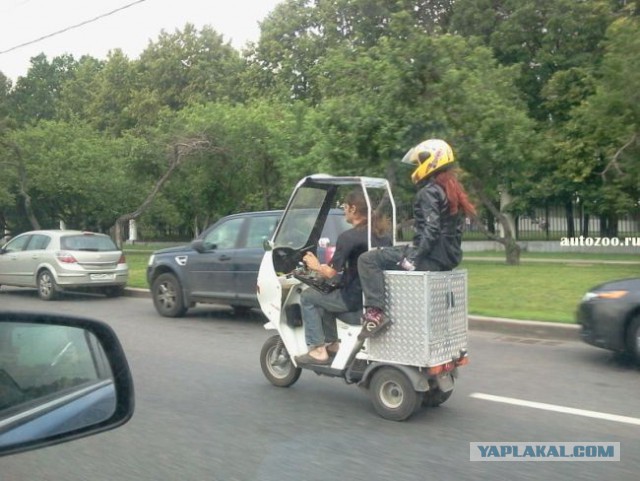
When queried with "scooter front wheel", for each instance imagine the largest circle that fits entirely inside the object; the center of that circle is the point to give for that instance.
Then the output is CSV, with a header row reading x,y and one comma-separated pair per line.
x,y
276,363
392,394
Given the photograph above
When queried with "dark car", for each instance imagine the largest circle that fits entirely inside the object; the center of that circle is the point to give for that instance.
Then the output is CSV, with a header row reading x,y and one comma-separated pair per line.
x,y
221,265
610,316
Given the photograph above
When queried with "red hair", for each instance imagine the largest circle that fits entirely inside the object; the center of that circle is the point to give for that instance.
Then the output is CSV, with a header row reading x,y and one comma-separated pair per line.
x,y
458,198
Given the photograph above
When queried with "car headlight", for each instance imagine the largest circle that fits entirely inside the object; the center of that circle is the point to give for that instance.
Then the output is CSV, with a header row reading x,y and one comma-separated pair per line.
x,y
604,295
151,259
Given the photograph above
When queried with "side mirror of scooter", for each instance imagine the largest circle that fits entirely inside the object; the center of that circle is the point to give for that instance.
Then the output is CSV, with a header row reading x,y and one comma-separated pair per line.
x,y
267,244
61,378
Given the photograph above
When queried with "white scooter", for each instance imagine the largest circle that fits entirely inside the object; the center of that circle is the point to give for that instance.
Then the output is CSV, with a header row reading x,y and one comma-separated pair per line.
x,y
410,365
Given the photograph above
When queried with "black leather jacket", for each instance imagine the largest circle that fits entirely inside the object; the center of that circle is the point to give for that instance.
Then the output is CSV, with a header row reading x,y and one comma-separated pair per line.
x,y
438,234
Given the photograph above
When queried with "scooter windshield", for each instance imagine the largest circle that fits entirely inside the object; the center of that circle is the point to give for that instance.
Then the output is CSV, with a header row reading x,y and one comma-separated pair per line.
x,y
297,224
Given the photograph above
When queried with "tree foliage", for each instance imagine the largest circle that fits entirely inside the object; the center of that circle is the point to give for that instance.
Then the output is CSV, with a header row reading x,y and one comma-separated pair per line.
x,y
539,100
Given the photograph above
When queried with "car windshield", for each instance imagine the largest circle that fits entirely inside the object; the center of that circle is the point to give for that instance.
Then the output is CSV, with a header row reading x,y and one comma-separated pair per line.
x,y
87,242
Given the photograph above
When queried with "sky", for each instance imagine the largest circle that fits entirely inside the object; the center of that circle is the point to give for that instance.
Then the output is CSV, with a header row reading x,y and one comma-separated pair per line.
x,y
130,29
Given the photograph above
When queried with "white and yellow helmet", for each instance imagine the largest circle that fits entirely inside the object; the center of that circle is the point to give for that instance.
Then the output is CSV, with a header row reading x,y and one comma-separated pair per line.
x,y
429,157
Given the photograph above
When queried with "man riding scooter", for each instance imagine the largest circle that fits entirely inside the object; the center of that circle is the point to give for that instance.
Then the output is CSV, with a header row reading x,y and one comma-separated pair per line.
x,y
319,310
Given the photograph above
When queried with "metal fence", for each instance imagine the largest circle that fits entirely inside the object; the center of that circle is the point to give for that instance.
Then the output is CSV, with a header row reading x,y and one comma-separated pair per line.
x,y
543,223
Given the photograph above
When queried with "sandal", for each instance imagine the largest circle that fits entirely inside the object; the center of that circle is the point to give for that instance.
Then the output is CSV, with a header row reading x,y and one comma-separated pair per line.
x,y
332,348
309,359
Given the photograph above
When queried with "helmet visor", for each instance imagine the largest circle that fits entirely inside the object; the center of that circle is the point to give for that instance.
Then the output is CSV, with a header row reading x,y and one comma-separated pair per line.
x,y
411,158
416,156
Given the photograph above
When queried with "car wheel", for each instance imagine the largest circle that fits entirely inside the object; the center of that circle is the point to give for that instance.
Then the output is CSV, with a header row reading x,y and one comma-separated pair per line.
x,y
47,286
276,363
392,394
633,338
114,291
167,296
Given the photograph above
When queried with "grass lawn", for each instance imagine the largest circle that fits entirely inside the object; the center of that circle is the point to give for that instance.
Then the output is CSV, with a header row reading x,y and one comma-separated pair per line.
x,y
138,257
538,291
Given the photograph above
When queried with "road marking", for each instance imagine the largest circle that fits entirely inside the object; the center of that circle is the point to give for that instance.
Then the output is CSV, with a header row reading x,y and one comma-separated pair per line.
x,y
555,408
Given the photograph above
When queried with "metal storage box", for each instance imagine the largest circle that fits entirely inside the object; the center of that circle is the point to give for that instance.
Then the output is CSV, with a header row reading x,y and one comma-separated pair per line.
x,y
429,314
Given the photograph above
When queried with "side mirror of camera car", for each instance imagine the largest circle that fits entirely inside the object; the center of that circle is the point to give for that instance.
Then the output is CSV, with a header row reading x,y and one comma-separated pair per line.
x,y
61,378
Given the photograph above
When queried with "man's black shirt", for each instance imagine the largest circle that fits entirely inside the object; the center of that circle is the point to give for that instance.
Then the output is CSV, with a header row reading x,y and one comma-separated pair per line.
x,y
349,246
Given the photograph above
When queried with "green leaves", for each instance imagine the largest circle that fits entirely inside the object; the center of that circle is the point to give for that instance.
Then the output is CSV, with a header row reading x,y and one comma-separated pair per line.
x,y
539,100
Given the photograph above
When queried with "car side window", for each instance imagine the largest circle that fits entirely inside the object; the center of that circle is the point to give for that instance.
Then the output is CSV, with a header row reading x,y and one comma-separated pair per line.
x,y
224,236
17,244
260,229
38,242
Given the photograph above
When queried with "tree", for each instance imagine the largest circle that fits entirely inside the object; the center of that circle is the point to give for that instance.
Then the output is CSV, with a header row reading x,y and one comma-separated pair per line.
x,y
251,148
546,37
15,182
5,89
421,87
298,34
190,67
36,95
557,47
78,92
111,95
72,173
180,152
604,132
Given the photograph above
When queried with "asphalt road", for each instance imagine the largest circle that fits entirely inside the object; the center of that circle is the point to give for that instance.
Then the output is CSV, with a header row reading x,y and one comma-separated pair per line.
x,y
204,411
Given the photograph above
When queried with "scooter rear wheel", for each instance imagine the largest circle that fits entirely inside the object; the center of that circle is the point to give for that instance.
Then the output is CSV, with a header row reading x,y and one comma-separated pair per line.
x,y
276,363
434,399
392,394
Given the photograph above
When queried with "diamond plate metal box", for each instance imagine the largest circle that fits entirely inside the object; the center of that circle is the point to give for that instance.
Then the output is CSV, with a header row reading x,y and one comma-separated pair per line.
x,y
429,314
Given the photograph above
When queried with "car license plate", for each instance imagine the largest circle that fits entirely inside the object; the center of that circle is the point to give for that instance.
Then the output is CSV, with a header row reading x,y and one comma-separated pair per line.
x,y
102,277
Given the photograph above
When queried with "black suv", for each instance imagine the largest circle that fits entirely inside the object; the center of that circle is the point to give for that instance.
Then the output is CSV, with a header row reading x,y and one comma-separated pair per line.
x,y
221,265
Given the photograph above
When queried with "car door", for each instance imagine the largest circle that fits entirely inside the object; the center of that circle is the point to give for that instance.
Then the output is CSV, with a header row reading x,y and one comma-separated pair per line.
x,y
257,229
31,257
211,273
12,260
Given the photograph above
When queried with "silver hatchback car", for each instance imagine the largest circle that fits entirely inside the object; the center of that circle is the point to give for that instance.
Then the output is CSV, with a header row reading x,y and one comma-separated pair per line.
x,y
55,260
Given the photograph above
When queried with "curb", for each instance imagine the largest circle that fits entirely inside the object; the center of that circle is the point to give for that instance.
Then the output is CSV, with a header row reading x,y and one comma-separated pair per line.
x,y
529,329
136,292
512,327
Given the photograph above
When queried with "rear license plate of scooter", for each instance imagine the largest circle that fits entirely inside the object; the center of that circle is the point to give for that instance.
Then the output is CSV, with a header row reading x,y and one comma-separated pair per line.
x,y
445,382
